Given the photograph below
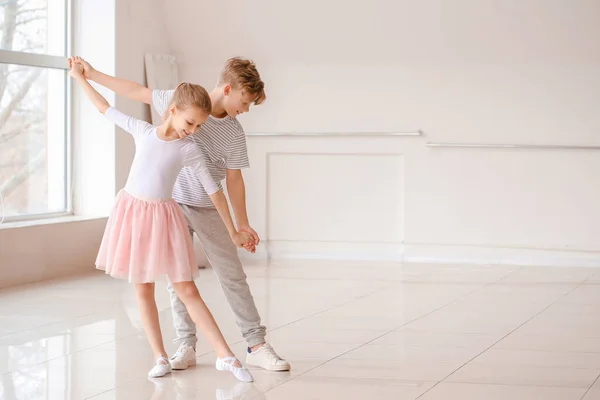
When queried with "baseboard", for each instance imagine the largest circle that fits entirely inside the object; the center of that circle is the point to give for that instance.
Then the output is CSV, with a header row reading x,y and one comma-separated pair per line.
x,y
328,251
422,253
499,256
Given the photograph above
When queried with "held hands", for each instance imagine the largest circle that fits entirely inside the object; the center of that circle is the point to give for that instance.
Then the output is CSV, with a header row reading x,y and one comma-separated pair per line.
x,y
245,240
250,246
79,67
87,68
75,69
248,229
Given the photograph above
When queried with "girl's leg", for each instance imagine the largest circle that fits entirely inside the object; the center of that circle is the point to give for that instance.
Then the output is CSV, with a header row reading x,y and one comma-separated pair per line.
x,y
149,313
202,317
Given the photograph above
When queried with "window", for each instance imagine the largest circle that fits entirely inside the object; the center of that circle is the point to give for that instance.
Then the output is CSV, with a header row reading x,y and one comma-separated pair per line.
x,y
34,135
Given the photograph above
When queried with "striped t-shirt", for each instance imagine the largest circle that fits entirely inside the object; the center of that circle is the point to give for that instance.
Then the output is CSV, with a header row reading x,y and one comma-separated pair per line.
x,y
224,143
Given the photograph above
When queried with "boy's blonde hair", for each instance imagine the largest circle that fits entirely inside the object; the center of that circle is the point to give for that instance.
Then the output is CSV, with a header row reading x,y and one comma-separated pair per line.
x,y
242,74
190,95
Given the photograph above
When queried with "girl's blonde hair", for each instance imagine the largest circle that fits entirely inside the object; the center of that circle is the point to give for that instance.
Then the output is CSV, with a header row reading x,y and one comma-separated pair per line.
x,y
189,95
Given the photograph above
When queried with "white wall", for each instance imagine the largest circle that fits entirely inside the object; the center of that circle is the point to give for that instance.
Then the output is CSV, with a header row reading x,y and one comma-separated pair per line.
x,y
483,71
114,36
141,29
468,70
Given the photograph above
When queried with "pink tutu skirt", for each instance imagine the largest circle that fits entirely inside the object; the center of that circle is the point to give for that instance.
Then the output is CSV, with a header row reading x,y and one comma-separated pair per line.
x,y
147,240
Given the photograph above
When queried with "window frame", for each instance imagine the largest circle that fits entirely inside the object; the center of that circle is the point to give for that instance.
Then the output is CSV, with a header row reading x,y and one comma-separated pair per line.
x,y
50,62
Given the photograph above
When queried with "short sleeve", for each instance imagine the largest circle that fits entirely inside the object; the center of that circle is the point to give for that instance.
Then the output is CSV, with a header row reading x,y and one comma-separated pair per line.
x,y
237,151
161,100
134,126
196,161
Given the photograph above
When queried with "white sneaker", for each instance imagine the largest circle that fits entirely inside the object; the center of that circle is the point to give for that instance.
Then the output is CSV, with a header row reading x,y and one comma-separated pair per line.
x,y
160,369
228,364
266,358
184,358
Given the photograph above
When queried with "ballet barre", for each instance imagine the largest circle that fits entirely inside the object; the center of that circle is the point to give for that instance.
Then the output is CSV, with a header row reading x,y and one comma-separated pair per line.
x,y
334,134
513,146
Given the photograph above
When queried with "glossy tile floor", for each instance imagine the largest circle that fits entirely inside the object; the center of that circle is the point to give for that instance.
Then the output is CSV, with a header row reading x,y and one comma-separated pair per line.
x,y
351,331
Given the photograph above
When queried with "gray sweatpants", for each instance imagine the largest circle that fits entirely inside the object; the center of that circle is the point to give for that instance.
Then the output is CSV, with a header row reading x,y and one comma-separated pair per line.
x,y
222,255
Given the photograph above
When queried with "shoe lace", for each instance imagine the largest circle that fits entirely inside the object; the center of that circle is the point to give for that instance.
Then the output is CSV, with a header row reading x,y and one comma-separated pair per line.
x,y
182,351
271,352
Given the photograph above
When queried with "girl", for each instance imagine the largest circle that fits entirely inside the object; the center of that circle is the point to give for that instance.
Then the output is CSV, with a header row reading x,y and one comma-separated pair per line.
x,y
146,235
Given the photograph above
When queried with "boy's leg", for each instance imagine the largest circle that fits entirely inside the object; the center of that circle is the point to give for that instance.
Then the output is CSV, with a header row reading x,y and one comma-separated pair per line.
x,y
222,255
185,327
